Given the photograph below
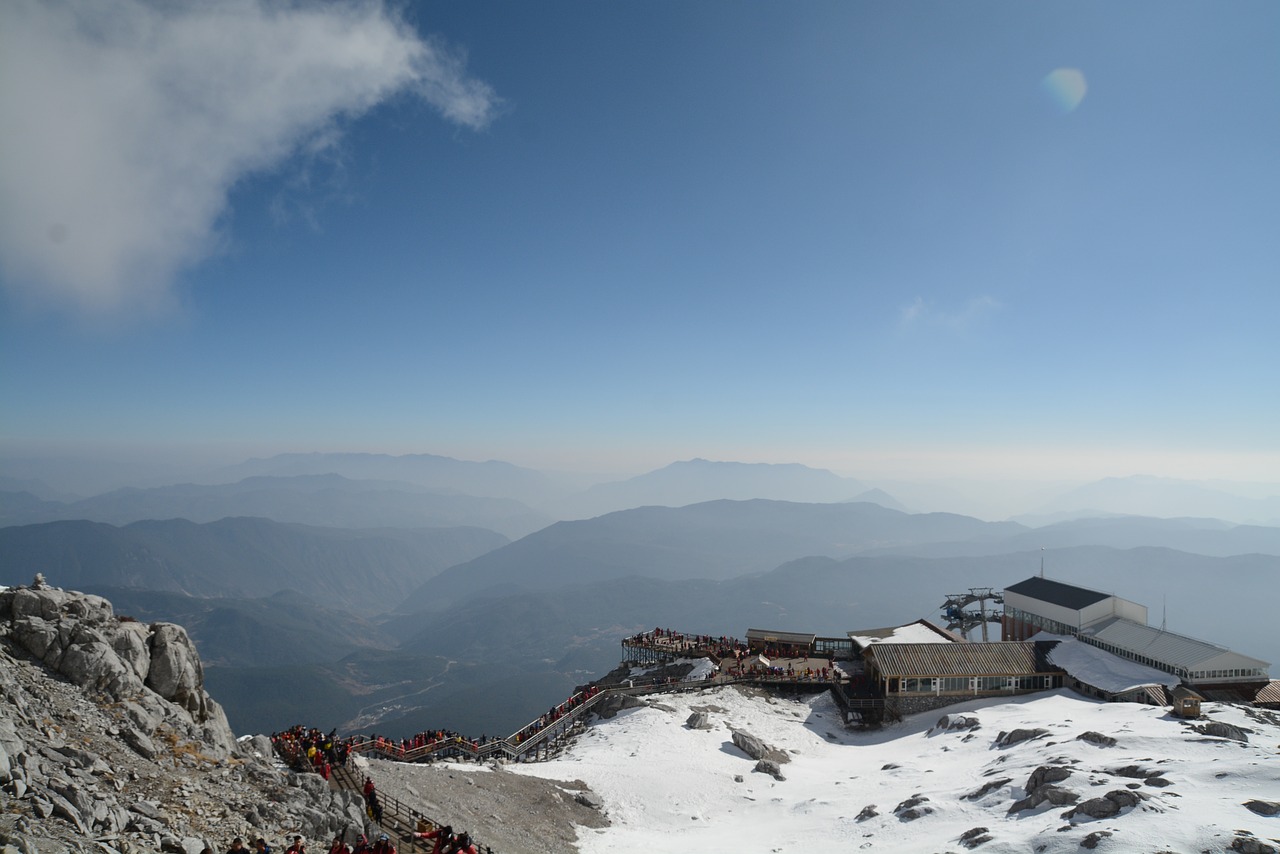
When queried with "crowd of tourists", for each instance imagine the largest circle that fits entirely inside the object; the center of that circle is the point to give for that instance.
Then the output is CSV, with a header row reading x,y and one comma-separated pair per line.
x,y
313,750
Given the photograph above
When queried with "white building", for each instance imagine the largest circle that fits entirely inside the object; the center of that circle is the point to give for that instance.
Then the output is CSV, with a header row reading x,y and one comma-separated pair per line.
x,y
1120,627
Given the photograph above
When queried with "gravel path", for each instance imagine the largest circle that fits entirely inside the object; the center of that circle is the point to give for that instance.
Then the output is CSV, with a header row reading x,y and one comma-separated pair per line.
x,y
511,813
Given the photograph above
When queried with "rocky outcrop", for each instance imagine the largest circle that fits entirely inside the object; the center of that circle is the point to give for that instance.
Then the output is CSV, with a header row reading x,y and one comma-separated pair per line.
x,y
1106,806
1217,729
109,743
1097,738
958,722
1017,736
153,670
913,808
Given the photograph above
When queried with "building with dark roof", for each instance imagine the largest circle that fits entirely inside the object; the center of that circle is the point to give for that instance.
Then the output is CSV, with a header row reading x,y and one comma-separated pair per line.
x,y
1120,627
1041,604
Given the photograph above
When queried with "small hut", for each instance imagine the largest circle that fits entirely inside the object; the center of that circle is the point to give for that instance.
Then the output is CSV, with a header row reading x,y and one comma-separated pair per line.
x,y
1186,703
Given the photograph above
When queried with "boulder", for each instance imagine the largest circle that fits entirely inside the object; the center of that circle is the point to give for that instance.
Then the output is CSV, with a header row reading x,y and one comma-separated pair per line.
x,y
757,749
175,672
768,766
974,837
1006,739
1106,806
1218,729
590,800
698,720
1046,774
958,722
1097,738
1267,808
1049,793
1091,841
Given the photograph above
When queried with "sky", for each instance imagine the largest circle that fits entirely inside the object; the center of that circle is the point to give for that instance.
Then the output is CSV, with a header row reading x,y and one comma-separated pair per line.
x,y
959,239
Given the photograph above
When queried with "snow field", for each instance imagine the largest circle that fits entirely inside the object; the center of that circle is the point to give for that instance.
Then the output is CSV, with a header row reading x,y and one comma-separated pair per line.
x,y
667,788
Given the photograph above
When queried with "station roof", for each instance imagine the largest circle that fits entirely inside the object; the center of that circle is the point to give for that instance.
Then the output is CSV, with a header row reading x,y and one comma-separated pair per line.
x,y
781,637
1101,669
921,631
1058,593
998,658
1168,647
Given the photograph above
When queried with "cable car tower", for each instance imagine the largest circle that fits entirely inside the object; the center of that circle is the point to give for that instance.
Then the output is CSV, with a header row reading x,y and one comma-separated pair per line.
x,y
960,617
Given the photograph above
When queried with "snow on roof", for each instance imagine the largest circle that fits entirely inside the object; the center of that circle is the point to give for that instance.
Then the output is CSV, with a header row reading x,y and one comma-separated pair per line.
x,y
917,632
1171,648
1101,669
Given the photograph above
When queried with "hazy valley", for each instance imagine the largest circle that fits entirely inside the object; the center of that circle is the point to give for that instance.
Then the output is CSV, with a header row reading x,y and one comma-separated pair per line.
x,y
411,602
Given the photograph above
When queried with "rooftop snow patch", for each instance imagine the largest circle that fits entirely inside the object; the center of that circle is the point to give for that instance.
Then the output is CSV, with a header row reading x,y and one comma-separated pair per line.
x,y
1101,669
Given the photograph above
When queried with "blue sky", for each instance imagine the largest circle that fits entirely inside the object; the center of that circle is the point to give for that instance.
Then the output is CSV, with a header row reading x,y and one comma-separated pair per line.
x,y
866,237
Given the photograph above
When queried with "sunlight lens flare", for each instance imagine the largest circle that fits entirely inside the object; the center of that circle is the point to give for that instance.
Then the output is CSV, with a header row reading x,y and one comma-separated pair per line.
x,y
1065,87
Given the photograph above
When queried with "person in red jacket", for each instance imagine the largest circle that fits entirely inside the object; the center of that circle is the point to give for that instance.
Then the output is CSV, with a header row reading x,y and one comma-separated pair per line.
x,y
442,835
462,844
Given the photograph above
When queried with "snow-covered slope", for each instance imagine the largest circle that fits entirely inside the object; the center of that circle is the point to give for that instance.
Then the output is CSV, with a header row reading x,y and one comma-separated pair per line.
x,y
669,788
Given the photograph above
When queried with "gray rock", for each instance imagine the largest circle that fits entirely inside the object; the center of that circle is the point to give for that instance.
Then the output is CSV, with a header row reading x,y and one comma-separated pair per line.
x,y
974,837
1267,808
589,799
988,788
1046,774
1097,738
1047,793
1249,845
150,809
1108,805
958,722
757,749
768,766
1217,729
1095,808
175,672
141,744
1091,841
1006,739
869,811
698,720
62,807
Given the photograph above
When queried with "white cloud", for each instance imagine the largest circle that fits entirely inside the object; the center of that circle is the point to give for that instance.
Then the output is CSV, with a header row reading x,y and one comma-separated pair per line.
x,y
922,312
126,123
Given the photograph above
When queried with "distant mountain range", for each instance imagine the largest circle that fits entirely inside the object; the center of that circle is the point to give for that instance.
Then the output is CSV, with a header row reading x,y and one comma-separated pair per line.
x,y
244,558
1142,495
696,481
713,540
327,500
405,591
